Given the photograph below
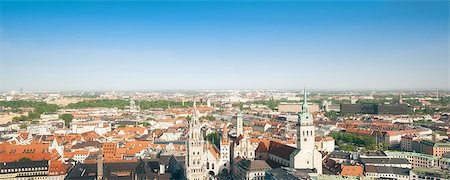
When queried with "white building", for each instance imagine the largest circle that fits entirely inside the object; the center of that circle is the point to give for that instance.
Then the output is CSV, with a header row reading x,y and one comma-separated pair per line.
x,y
384,172
204,159
241,145
308,157
428,174
247,169
416,159
100,127
171,136
325,144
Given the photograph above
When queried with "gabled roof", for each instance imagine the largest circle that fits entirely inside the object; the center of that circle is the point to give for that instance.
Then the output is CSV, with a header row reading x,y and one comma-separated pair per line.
x,y
13,152
281,150
350,170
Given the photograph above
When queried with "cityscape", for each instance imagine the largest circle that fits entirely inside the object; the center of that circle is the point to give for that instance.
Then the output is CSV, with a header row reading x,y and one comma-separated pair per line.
x,y
224,90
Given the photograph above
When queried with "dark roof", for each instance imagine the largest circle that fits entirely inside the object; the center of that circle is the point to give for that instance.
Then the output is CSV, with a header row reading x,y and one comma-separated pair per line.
x,y
24,164
446,155
287,174
261,148
253,165
384,161
340,155
87,144
239,138
153,165
387,170
369,153
164,159
281,150
89,171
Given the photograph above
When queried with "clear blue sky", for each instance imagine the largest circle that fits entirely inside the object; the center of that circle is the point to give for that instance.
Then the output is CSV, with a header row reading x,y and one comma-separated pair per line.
x,y
234,45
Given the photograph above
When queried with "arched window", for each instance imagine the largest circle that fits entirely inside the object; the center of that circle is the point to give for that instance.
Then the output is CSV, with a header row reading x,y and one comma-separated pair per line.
x,y
212,165
307,133
303,133
207,165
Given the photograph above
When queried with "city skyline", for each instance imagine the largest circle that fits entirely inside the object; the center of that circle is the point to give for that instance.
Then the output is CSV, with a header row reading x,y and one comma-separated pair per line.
x,y
224,45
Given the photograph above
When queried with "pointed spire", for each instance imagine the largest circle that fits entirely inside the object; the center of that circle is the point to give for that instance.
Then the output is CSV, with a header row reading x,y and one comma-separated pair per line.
x,y
305,107
225,134
194,110
194,118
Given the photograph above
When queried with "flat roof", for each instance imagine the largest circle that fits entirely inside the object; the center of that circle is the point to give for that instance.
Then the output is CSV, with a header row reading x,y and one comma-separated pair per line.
x,y
398,153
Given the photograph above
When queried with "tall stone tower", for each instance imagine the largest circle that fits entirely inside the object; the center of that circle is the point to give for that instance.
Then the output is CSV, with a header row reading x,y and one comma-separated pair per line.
x,y
308,156
225,148
239,125
195,149
305,127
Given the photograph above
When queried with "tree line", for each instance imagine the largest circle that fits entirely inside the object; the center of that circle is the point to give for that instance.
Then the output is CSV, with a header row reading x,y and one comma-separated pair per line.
x,y
352,142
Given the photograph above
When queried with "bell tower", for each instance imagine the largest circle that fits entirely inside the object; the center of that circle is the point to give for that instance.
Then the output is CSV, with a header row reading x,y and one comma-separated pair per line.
x,y
305,128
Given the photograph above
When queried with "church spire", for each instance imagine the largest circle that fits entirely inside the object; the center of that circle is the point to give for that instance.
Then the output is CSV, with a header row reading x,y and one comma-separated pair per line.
x,y
194,118
305,108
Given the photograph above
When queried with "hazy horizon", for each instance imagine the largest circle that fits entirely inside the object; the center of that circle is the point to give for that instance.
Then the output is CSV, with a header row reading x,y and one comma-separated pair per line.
x,y
151,45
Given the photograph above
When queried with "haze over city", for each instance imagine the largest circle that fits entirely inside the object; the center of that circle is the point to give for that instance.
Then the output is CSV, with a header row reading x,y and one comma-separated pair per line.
x,y
148,45
225,90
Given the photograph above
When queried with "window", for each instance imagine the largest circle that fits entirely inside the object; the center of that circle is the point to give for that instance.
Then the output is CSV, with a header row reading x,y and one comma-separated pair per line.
x,y
212,165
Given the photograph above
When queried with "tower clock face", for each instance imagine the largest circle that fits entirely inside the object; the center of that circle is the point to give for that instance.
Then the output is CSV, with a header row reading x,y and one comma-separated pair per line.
x,y
304,139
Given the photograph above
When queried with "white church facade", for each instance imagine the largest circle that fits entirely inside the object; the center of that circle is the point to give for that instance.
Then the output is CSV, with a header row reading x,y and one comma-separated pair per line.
x,y
307,156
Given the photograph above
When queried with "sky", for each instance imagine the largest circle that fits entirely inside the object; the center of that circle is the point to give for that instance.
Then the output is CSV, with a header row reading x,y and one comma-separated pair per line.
x,y
151,45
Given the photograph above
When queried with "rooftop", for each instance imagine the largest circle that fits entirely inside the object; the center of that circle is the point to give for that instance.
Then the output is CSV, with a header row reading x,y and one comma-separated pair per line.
x,y
444,174
384,161
387,170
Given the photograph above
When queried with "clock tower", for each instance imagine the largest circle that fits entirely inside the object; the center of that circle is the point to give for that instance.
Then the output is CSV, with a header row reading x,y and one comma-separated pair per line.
x,y
307,157
305,128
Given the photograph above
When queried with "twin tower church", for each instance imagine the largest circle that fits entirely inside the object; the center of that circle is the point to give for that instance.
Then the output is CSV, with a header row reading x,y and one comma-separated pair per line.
x,y
204,159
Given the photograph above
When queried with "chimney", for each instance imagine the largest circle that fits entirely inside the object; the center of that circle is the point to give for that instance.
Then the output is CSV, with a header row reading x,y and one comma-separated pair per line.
x,y
100,165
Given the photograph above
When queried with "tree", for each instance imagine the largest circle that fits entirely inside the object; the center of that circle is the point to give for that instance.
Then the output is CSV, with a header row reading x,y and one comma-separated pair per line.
x,y
146,124
39,107
382,146
21,118
23,126
346,140
213,138
67,119
208,117
331,114
34,115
